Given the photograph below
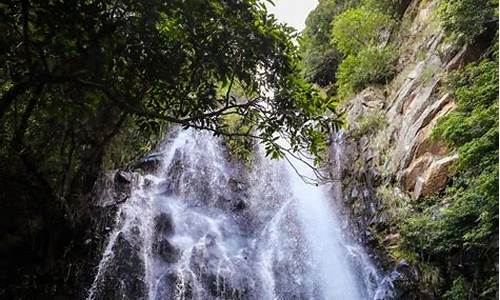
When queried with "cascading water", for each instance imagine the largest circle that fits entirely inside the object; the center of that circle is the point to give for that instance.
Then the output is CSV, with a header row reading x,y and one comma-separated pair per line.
x,y
202,228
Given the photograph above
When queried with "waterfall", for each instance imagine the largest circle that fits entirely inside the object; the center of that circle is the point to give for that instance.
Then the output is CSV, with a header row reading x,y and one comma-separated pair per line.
x,y
201,227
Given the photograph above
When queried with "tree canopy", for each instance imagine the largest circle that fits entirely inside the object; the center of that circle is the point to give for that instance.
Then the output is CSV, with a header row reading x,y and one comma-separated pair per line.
x,y
74,73
320,57
358,28
87,85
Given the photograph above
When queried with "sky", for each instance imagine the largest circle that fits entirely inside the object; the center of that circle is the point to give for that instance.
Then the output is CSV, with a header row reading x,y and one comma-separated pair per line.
x,y
292,12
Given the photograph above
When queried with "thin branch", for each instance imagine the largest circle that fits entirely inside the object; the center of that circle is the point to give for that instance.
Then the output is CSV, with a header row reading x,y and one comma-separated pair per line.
x,y
142,112
229,88
321,178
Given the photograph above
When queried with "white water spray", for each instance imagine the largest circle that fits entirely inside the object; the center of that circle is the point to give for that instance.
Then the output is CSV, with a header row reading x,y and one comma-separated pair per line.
x,y
202,228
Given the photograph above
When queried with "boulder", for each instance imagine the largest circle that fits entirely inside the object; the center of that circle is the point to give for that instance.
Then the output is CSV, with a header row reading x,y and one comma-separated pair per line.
x,y
149,164
123,177
240,204
435,178
416,169
166,251
398,284
235,185
163,224
123,182
124,279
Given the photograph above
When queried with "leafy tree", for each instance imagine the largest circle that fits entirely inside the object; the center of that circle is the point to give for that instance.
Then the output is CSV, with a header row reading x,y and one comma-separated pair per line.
x,y
84,81
357,33
358,28
458,290
371,65
92,64
320,57
465,20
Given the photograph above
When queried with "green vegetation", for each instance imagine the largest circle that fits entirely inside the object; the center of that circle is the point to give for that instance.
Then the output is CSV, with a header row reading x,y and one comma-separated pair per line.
x,y
369,124
87,85
463,222
458,290
357,33
239,144
371,65
452,237
465,20
320,57
358,28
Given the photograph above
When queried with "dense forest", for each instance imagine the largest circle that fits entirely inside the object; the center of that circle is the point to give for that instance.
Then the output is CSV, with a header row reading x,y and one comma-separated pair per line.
x,y
89,86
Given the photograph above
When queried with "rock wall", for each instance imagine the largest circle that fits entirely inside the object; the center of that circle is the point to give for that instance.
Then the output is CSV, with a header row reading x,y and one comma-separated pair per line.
x,y
389,156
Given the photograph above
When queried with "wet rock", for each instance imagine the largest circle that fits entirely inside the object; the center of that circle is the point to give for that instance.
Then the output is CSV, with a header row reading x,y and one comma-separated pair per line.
x,y
165,188
113,188
399,284
102,190
164,224
235,185
149,164
174,172
125,278
210,240
166,251
123,183
240,204
221,287
123,177
177,284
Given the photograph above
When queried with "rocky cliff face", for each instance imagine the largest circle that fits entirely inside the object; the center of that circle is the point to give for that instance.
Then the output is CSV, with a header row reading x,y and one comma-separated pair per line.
x,y
389,157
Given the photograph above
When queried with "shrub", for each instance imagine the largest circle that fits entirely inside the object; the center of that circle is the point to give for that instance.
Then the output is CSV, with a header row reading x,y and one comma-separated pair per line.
x,y
320,57
240,147
458,290
358,28
370,66
465,20
357,33
369,124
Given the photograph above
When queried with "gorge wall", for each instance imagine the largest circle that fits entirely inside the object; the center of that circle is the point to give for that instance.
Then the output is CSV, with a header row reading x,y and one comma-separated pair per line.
x,y
389,159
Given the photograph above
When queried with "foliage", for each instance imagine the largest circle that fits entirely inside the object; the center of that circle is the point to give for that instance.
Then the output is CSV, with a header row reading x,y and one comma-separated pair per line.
x,y
458,290
358,34
320,57
358,28
371,65
465,219
465,20
239,145
93,66
84,82
393,8
370,123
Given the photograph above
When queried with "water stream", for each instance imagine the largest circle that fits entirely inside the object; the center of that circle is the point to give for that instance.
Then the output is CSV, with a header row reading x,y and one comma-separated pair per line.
x,y
200,227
